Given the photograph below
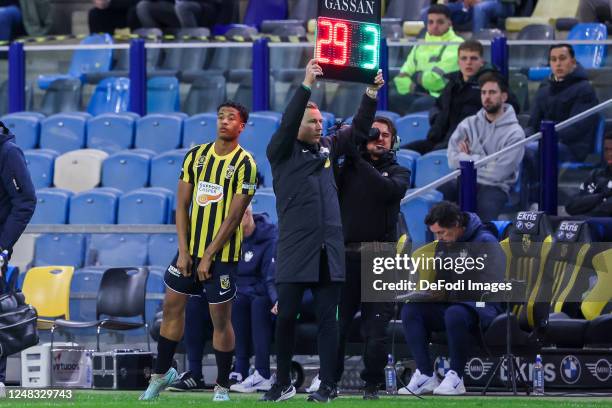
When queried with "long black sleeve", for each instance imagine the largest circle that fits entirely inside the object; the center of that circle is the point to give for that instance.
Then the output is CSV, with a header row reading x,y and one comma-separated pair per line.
x,y
282,140
386,188
346,141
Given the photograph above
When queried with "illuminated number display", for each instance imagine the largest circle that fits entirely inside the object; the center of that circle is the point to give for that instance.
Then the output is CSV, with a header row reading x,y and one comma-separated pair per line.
x,y
349,44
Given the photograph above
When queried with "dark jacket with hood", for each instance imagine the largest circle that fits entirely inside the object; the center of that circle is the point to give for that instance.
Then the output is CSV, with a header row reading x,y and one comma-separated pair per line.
x,y
17,197
595,196
255,273
459,100
370,192
494,264
306,193
560,100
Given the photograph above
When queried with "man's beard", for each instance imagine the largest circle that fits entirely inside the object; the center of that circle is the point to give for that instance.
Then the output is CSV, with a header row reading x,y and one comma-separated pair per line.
x,y
493,109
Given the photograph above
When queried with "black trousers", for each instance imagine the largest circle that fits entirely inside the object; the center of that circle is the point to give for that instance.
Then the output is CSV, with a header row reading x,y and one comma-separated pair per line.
x,y
326,296
375,318
108,19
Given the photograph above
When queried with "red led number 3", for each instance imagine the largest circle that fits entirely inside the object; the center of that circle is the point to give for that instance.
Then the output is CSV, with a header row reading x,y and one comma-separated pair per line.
x,y
334,37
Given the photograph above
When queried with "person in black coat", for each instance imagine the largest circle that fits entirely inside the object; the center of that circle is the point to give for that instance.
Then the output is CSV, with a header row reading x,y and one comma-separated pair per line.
x,y
108,15
596,191
371,185
311,245
459,99
566,93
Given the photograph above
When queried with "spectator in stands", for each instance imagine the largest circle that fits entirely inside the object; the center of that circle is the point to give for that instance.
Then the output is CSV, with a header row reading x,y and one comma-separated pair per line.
x,y
10,19
590,11
205,13
256,302
370,187
480,13
108,15
461,320
421,78
596,191
157,13
197,333
492,129
565,94
17,204
37,16
460,98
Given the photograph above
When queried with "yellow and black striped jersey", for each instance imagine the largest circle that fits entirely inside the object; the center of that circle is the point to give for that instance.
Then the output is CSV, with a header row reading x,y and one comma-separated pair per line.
x,y
216,180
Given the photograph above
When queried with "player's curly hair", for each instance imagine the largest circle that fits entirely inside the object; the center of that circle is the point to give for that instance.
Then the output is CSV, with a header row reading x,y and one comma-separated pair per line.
x,y
244,113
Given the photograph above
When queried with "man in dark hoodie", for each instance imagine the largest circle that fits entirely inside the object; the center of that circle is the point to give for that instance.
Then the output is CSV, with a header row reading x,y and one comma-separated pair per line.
x,y
17,203
256,302
566,93
460,99
596,191
371,185
460,320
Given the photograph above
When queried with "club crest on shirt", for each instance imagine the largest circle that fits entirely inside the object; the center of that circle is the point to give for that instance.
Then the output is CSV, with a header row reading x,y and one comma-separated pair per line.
x,y
248,255
201,161
224,280
208,193
230,171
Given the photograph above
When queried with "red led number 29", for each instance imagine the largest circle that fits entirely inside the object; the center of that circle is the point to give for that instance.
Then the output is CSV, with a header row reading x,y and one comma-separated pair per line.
x,y
336,38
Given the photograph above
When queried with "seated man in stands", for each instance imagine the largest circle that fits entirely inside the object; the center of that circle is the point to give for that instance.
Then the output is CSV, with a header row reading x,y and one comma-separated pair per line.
x,y
421,78
460,320
492,129
460,98
596,191
256,302
205,13
565,94
108,15
481,13
157,14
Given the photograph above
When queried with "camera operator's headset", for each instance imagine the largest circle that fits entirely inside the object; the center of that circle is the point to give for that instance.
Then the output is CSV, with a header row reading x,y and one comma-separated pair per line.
x,y
375,133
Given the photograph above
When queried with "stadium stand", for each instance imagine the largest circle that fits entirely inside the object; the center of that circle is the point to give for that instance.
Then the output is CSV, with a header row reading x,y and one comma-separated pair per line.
x,y
160,132
97,206
63,132
136,163
41,164
79,170
111,132
52,206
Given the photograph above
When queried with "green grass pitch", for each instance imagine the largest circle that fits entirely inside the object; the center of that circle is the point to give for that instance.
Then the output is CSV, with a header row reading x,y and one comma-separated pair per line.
x,y
110,399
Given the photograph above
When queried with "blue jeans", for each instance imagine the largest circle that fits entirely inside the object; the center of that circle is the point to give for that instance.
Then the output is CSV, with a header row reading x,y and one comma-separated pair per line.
x,y
459,321
10,19
252,321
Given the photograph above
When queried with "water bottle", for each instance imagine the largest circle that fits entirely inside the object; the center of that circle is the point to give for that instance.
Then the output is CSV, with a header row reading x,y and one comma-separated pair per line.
x,y
538,376
390,376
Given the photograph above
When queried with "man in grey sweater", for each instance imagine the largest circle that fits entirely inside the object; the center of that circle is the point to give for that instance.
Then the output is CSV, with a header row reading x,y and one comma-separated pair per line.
x,y
492,129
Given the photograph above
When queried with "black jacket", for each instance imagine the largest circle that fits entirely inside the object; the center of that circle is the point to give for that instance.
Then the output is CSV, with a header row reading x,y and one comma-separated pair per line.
x,y
306,193
17,198
370,193
458,100
594,196
558,101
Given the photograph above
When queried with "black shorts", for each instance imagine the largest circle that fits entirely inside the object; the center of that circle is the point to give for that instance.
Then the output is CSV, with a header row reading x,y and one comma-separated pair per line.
x,y
220,288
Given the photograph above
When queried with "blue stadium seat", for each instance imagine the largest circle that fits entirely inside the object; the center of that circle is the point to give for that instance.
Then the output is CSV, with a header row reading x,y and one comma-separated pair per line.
x,y
84,293
127,170
159,132
64,132
84,61
264,201
111,95
255,138
144,206
156,289
166,169
431,167
52,206
408,159
200,129
40,164
114,250
111,132
329,119
162,249
25,127
260,10
97,206
163,95
59,249
415,211
413,127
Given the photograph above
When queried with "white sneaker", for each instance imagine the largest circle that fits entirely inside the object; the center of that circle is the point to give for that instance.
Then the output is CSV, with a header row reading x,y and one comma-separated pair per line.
x,y
420,384
2,390
253,383
314,385
235,378
451,385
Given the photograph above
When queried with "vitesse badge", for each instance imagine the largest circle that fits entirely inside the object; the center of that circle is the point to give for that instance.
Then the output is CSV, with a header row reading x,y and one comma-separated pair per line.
x,y
201,161
230,172
526,242
225,281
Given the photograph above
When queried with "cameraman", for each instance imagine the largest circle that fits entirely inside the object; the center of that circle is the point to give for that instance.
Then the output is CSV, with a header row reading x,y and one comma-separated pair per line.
x,y
17,203
371,185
